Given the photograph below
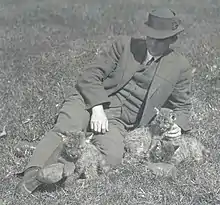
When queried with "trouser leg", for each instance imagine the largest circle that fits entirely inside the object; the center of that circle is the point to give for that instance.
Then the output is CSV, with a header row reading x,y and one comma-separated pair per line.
x,y
111,144
72,117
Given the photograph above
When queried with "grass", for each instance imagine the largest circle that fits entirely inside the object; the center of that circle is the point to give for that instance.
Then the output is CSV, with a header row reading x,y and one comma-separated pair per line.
x,y
44,45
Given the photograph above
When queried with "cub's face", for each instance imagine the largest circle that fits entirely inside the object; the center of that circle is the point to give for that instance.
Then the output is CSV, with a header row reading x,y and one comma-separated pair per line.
x,y
165,119
74,145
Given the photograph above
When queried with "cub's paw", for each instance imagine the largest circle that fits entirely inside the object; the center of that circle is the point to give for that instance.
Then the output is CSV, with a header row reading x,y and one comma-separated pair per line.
x,y
103,167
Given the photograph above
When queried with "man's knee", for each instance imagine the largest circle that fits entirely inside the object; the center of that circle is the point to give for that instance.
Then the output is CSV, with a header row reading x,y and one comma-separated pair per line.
x,y
111,145
114,160
72,116
45,149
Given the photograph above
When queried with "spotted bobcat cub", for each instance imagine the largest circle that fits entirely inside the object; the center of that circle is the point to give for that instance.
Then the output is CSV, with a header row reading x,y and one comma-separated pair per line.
x,y
161,149
189,148
148,142
89,162
162,153
186,148
77,156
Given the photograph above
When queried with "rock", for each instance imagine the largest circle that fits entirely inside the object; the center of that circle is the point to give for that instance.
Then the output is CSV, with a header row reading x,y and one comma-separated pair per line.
x,y
51,173
163,169
69,166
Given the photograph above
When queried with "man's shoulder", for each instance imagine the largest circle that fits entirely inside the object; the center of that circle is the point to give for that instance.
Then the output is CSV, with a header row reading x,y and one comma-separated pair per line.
x,y
126,39
178,58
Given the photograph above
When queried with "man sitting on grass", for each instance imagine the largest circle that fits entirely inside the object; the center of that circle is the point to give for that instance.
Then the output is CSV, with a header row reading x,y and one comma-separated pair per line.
x,y
119,92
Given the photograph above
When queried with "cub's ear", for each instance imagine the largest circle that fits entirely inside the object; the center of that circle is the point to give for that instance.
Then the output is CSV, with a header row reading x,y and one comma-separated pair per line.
x,y
176,147
157,110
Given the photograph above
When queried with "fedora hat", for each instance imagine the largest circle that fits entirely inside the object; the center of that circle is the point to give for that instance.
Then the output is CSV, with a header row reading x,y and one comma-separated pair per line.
x,y
162,23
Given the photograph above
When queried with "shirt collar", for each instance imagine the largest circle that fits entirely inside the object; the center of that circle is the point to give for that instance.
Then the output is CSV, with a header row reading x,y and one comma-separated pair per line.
x,y
149,56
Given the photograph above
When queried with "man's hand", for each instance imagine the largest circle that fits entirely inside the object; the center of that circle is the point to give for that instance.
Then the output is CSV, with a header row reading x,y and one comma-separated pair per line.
x,y
174,132
99,121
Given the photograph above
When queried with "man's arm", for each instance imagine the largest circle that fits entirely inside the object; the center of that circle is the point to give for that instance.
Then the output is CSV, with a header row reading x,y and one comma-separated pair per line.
x,y
179,100
90,83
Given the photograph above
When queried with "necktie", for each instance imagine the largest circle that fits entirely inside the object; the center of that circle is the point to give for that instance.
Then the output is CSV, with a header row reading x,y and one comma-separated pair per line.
x,y
150,61
146,63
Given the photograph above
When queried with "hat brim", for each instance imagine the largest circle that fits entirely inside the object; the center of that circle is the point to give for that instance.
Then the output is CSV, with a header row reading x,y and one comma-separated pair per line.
x,y
162,34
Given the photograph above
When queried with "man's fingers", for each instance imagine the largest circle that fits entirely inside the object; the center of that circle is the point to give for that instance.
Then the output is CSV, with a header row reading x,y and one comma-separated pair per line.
x,y
95,127
103,127
99,127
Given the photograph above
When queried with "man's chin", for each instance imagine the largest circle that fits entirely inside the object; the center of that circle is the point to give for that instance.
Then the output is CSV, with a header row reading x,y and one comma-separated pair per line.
x,y
155,54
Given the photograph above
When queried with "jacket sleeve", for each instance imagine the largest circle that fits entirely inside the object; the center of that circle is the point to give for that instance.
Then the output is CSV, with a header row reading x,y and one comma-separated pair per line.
x,y
90,82
179,100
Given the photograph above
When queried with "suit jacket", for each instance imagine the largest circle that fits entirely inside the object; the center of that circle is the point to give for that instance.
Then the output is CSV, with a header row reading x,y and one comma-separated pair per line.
x,y
171,86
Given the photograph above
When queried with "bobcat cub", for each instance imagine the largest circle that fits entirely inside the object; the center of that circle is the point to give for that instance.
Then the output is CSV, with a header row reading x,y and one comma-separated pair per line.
x,y
161,149
162,153
89,162
148,142
78,157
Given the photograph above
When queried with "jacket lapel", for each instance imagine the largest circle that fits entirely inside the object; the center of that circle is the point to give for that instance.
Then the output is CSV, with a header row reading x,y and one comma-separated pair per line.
x,y
160,76
132,60
160,88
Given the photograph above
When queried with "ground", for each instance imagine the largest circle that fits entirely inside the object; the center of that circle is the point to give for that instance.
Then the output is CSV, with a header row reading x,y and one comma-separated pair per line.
x,y
45,44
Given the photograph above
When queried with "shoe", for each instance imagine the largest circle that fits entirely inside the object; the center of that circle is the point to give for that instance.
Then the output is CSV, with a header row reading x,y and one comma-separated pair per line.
x,y
29,182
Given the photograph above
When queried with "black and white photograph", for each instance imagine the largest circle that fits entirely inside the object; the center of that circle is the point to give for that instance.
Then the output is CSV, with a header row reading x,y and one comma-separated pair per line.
x,y
107,102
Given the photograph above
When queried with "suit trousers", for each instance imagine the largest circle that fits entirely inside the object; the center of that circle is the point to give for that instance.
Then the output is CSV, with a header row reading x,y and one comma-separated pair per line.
x,y
74,117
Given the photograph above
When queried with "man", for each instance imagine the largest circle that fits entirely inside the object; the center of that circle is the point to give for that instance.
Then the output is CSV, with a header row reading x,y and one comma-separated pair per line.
x,y
120,91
